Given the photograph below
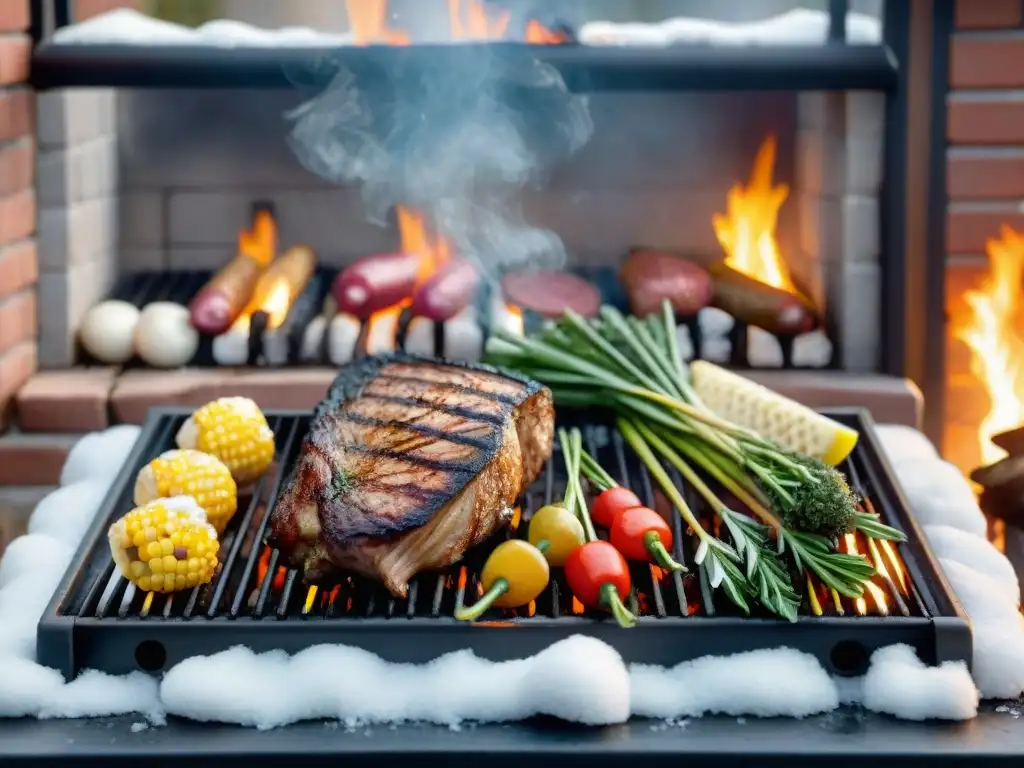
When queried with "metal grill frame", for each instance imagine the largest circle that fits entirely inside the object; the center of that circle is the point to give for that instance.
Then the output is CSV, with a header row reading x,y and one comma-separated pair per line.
x,y
71,643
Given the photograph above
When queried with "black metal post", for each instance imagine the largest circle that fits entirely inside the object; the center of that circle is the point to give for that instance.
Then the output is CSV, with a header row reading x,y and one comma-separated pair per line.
x,y
896,30
933,384
36,20
837,10
62,13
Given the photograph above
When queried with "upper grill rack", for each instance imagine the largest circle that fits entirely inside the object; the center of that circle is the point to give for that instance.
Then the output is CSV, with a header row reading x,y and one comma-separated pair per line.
x,y
256,602
180,287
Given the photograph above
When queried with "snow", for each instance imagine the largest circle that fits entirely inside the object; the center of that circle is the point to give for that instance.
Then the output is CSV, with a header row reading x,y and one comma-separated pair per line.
x,y
797,27
125,26
898,683
976,553
347,684
99,455
760,683
902,442
939,495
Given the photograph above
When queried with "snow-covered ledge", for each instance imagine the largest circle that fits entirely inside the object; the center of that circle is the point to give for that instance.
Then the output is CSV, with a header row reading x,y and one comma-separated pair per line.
x,y
352,685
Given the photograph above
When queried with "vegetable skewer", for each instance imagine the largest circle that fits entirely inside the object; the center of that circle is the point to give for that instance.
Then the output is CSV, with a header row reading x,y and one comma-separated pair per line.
x,y
597,573
638,532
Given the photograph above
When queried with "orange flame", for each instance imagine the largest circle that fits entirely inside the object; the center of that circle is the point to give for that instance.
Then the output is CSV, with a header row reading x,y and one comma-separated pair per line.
x,y
433,250
470,20
260,242
991,333
369,23
538,34
879,596
747,231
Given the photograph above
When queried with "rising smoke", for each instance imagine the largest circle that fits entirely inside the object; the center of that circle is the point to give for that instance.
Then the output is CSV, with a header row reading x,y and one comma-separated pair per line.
x,y
457,132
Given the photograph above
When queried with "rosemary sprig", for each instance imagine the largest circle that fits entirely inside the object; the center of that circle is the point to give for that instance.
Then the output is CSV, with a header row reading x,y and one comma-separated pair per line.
x,y
872,527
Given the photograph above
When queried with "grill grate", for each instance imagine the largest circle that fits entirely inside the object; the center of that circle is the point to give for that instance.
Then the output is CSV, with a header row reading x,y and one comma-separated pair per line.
x,y
142,288
101,621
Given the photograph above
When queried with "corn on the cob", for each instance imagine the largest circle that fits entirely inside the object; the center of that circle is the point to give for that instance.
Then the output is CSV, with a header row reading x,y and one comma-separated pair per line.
x,y
234,430
773,416
165,546
190,473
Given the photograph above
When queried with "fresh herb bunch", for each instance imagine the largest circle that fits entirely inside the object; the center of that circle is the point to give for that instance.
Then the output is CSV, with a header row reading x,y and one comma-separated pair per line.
x,y
634,367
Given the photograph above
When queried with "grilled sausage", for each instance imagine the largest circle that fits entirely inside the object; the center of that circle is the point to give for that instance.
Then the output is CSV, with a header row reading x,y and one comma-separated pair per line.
x,y
294,267
755,303
652,276
219,303
549,293
448,291
376,282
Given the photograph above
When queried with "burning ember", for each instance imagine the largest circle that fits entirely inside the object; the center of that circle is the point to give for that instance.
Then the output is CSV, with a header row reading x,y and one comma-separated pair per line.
x,y
747,231
260,243
991,331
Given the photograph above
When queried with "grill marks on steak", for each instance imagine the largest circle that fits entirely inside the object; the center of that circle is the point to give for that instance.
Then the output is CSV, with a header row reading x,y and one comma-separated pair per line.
x,y
413,463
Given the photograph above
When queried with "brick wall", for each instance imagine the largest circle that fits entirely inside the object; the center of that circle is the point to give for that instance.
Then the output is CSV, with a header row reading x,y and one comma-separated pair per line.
x,y
985,176
17,206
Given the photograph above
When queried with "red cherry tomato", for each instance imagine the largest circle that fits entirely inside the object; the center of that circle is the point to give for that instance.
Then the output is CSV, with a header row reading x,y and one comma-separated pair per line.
x,y
593,566
610,502
634,531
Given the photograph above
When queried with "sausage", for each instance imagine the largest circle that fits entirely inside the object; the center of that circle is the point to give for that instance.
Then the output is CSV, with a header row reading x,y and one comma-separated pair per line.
x,y
755,303
295,268
651,277
219,303
448,291
549,293
376,282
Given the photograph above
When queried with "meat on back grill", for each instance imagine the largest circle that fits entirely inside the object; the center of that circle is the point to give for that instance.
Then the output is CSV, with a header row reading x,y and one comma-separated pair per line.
x,y
407,464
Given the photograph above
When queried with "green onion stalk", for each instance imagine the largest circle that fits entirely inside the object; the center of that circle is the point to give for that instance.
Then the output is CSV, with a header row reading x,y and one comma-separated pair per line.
x,y
633,366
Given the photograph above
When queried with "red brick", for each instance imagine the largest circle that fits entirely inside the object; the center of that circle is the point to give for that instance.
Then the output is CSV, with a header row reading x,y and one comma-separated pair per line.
x,y
17,319
33,459
73,400
17,216
985,178
137,391
967,231
19,267
16,365
988,14
14,15
15,52
985,63
985,122
17,166
16,108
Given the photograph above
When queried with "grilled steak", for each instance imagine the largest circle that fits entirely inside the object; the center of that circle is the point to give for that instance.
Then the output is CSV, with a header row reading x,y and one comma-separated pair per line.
x,y
408,463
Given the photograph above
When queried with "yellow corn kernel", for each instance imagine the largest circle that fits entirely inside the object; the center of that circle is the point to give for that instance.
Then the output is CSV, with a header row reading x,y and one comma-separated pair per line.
x,y
165,545
234,430
190,473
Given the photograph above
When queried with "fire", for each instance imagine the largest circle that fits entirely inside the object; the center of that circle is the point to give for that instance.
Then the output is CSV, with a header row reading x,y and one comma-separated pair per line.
x,y
877,595
260,242
991,333
747,231
433,250
538,34
471,20
368,19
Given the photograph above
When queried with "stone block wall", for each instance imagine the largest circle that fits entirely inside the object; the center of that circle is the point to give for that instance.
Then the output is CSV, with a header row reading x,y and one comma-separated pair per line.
x,y
838,179
985,178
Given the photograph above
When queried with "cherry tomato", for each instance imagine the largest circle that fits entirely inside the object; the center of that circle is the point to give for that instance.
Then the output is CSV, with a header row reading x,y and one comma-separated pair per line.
x,y
610,502
630,529
514,574
593,566
562,531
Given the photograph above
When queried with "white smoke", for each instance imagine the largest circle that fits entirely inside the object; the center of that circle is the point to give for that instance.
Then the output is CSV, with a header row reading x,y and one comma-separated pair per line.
x,y
454,131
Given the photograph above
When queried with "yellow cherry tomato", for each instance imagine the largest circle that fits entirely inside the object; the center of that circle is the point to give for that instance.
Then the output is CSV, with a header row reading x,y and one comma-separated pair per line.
x,y
562,531
523,568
